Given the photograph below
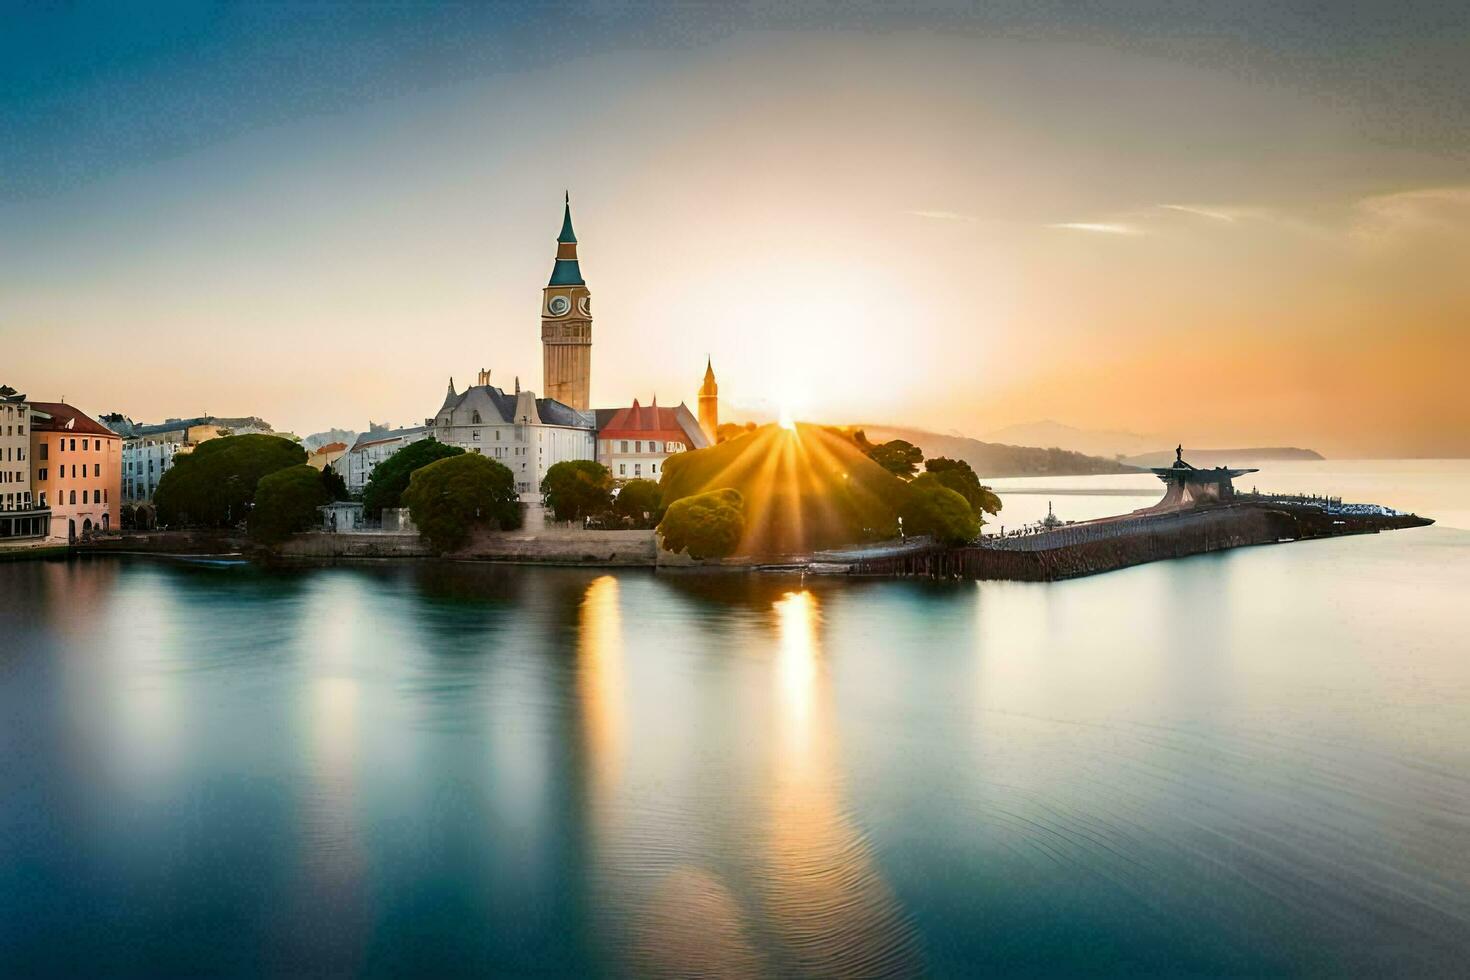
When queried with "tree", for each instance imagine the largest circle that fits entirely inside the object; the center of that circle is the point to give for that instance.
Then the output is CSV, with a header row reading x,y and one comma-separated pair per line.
x,y
450,497
390,477
708,525
938,511
898,457
214,485
286,501
639,501
959,477
577,488
334,485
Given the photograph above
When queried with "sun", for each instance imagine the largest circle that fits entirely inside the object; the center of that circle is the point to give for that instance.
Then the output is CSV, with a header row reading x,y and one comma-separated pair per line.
x,y
787,418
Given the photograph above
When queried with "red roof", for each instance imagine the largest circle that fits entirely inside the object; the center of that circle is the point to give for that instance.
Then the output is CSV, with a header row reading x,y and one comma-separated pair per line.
x,y
61,414
331,447
638,422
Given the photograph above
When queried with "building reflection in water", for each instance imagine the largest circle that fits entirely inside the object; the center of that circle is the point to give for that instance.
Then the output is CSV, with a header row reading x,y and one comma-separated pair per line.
x,y
826,898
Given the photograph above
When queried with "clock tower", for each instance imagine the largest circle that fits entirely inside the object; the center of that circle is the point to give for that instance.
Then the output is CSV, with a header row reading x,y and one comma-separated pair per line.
x,y
566,325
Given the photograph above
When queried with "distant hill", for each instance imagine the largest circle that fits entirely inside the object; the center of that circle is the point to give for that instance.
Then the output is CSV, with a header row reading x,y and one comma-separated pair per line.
x,y
1092,442
319,439
989,459
1224,457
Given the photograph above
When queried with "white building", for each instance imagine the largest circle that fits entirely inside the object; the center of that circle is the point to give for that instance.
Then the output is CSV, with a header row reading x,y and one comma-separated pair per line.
x,y
370,449
634,442
527,434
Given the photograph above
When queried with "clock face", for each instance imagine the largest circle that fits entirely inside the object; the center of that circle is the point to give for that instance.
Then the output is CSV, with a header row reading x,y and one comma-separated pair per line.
x,y
559,305
585,304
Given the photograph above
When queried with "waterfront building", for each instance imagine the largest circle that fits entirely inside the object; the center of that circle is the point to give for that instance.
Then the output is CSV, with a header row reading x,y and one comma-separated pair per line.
x,y
525,433
148,450
356,464
633,442
1187,486
20,515
76,470
566,325
709,404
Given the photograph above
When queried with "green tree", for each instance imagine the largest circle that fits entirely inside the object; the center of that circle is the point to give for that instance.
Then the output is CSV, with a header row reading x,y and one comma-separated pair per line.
x,y
286,501
960,477
639,501
333,483
708,525
214,485
577,488
390,477
938,511
898,457
450,497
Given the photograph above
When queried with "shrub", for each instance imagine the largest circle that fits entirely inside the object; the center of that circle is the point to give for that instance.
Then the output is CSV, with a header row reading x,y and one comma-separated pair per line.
x,y
286,501
576,489
390,477
450,497
708,525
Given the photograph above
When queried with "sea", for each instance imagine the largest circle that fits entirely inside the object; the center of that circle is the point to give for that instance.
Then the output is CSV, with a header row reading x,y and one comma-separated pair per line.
x,y
1254,762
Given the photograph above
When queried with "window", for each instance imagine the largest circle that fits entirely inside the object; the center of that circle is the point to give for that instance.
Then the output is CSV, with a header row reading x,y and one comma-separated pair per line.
x,y
73,496
638,446
96,469
475,419
622,469
625,446
43,499
653,468
84,496
41,474
84,444
104,495
73,445
497,435
637,469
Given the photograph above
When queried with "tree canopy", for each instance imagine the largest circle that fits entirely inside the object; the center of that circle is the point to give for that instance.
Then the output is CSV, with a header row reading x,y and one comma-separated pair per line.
x,y
936,510
286,501
898,457
577,488
707,525
333,483
390,477
214,485
960,477
639,501
449,498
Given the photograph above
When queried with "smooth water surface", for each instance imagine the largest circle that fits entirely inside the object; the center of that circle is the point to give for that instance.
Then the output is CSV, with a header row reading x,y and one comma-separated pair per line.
x,y
1254,762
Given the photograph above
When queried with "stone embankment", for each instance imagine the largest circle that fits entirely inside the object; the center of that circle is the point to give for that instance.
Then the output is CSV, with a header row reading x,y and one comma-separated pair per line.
x,y
550,546
1106,545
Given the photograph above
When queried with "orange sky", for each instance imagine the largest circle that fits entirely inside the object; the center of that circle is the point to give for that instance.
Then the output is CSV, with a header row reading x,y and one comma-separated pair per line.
x,y
955,232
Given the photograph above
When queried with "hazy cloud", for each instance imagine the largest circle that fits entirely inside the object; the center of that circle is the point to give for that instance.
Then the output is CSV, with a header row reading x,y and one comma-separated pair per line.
x,y
941,215
1395,219
1101,227
1214,214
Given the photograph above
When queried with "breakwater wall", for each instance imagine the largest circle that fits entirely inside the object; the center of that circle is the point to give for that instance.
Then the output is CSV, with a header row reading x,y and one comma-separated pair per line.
x,y
1103,546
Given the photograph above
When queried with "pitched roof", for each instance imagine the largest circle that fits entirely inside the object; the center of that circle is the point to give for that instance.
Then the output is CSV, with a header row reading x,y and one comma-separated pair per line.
x,y
373,438
65,418
331,447
652,422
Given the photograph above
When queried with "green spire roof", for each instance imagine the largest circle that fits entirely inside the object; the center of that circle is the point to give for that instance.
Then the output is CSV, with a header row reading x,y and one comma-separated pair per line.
x,y
567,235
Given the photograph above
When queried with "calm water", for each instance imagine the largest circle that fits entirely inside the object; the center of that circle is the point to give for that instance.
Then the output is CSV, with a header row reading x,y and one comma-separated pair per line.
x,y
1256,762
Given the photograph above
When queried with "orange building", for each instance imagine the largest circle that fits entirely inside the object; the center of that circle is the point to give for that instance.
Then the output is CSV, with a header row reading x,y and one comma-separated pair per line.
x,y
76,470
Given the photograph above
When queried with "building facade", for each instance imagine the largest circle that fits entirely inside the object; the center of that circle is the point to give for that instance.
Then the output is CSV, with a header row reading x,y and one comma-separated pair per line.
x,y
324,456
566,325
20,515
356,465
709,404
76,465
525,433
634,442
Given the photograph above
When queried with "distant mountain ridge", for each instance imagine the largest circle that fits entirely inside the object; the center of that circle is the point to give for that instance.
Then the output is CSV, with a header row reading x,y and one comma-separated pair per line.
x,y
1091,442
995,460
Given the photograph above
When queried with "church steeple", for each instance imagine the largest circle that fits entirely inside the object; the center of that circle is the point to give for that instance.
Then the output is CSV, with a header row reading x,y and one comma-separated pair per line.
x,y
709,403
566,272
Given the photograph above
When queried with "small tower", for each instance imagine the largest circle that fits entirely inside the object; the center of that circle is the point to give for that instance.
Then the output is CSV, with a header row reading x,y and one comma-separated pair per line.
x,y
709,404
566,325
